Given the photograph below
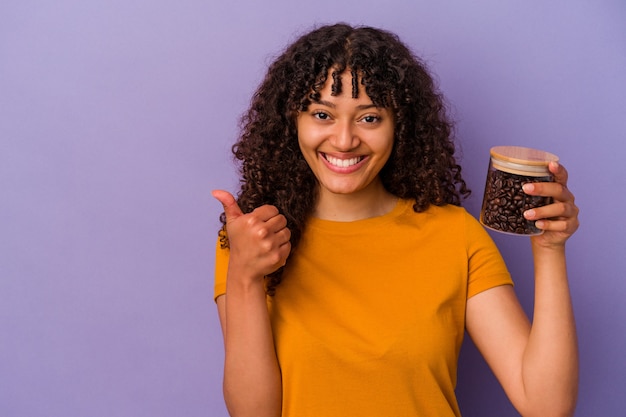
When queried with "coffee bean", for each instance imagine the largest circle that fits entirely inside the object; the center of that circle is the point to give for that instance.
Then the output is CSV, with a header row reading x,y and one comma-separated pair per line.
x,y
505,202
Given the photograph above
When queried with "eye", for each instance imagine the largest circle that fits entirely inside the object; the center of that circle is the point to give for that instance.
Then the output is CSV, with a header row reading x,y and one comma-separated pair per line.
x,y
321,115
371,119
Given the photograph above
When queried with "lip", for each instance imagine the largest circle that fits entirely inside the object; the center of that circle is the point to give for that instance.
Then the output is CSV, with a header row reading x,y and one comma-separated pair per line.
x,y
344,157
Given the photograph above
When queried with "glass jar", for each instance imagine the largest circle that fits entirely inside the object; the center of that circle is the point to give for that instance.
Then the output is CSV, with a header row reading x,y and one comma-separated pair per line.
x,y
504,201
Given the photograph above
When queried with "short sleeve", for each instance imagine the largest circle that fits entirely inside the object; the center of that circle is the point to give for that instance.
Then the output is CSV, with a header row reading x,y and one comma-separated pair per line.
x,y
486,265
221,267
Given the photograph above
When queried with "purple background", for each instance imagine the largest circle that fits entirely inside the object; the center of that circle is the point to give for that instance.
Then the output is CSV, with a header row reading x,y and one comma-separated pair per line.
x,y
116,120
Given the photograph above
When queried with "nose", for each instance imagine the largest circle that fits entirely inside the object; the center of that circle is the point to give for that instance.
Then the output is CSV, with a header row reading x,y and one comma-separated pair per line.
x,y
344,137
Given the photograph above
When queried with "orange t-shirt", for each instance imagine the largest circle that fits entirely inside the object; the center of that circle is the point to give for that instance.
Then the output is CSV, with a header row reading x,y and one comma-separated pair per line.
x,y
370,316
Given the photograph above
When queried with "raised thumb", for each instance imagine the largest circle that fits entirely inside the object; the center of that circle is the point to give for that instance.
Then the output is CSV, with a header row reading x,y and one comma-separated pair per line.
x,y
231,208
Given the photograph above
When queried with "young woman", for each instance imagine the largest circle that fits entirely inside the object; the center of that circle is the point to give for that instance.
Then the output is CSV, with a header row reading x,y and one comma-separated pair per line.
x,y
347,272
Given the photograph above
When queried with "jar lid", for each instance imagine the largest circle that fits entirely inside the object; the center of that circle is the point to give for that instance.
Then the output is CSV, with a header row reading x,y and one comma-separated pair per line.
x,y
521,161
521,155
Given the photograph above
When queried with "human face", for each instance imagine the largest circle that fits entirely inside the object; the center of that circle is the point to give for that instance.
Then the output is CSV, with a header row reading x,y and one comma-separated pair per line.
x,y
346,141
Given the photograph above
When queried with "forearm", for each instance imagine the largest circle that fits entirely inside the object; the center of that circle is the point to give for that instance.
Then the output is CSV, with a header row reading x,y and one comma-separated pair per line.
x,y
252,382
550,363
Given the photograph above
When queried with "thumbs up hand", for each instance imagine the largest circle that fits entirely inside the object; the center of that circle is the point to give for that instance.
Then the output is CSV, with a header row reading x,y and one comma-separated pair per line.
x,y
259,241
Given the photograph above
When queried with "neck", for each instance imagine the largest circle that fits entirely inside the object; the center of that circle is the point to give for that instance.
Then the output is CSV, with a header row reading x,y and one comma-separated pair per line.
x,y
354,206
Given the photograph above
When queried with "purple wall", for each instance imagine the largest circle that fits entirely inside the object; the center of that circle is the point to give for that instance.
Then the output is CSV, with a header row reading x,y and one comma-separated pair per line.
x,y
116,120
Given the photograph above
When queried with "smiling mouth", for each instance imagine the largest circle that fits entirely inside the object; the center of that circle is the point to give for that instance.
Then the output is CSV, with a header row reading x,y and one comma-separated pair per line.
x,y
342,163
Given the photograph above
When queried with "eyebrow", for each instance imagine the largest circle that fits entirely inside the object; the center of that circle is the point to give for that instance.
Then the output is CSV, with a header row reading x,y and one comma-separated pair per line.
x,y
332,105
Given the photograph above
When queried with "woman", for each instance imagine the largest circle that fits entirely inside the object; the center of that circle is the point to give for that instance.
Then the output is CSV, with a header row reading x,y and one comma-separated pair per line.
x,y
347,272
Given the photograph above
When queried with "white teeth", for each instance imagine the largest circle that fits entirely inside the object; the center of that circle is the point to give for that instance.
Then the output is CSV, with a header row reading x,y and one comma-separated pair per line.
x,y
342,163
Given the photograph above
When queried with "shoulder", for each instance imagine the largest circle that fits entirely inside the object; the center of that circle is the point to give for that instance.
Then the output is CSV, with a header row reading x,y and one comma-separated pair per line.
x,y
449,220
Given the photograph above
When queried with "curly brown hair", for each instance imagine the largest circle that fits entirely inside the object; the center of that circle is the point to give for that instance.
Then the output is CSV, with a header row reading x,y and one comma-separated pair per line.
x,y
273,171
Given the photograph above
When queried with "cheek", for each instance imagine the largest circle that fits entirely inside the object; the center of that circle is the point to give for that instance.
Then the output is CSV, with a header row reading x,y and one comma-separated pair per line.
x,y
309,139
306,150
384,144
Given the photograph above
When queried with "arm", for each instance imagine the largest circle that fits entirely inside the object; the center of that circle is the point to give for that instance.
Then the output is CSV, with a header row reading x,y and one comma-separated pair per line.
x,y
259,244
536,364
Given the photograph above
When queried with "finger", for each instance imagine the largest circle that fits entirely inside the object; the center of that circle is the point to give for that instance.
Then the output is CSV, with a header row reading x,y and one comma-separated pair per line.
x,y
556,188
284,250
285,235
559,172
567,225
231,209
551,211
549,189
277,222
552,225
266,212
